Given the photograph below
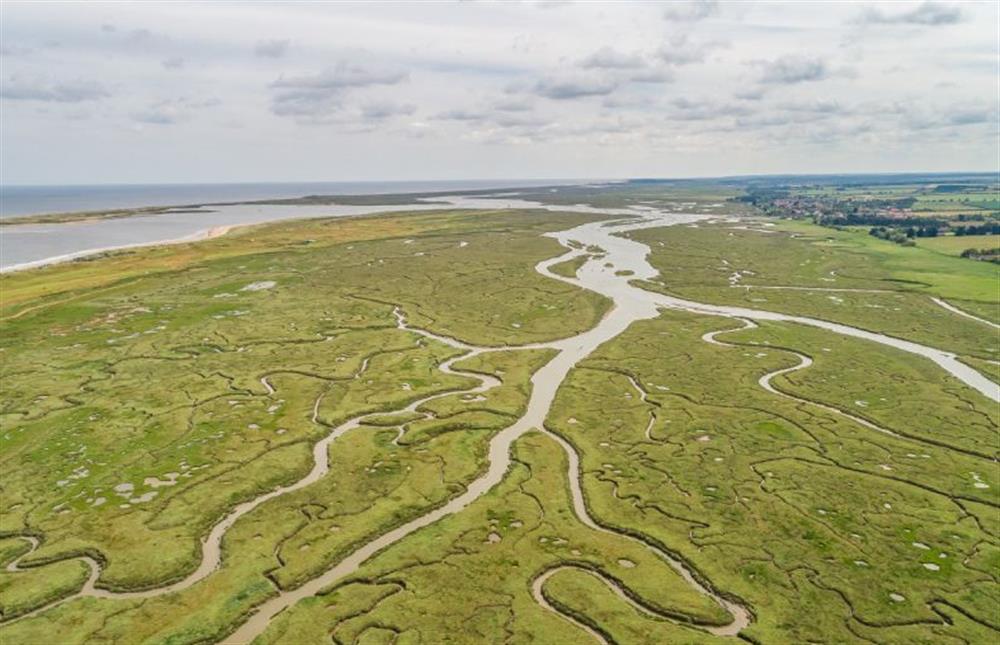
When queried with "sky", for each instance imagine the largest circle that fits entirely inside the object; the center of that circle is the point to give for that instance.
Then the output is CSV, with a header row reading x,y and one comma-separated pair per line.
x,y
170,92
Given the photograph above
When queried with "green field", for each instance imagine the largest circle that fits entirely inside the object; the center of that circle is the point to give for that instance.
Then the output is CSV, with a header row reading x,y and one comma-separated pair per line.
x,y
965,202
954,245
927,196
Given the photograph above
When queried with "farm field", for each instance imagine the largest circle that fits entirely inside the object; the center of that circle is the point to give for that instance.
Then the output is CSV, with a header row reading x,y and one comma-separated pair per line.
x,y
954,245
291,434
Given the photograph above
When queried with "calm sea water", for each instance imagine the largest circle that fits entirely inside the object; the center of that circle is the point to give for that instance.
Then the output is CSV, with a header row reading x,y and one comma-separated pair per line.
x,y
34,200
28,245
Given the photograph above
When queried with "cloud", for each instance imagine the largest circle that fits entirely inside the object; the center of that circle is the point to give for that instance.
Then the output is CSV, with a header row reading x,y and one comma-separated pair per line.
x,y
382,110
818,106
927,14
964,116
513,106
579,87
689,110
574,88
17,88
608,58
140,35
954,116
460,115
778,118
620,103
522,120
680,56
306,107
314,99
621,66
792,69
8,50
272,48
837,133
691,11
497,126
793,113
158,115
681,50
170,111
342,76
752,94
652,76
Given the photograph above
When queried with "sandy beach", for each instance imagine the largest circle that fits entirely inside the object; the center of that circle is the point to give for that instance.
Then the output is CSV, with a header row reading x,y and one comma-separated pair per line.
x,y
213,232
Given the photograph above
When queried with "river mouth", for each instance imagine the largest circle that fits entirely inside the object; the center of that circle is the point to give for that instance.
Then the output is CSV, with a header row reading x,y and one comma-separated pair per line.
x,y
611,274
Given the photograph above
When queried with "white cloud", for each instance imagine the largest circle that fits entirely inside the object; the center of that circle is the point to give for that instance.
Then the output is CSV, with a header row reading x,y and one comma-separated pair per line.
x,y
926,118
382,110
609,58
513,106
494,89
692,11
342,76
574,87
318,97
158,115
461,115
926,14
273,48
171,111
792,69
682,50
17,88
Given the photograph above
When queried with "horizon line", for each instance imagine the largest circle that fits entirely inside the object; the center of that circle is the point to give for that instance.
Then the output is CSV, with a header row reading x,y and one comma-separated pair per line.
x,y
564,180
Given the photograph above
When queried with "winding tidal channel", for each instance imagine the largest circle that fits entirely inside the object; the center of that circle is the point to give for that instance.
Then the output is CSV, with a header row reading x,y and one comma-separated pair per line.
x,y
608,275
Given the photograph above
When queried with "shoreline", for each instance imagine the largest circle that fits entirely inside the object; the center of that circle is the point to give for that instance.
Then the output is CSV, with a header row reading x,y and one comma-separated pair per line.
x,y
389,198
444,201
198,236
414,201
80,217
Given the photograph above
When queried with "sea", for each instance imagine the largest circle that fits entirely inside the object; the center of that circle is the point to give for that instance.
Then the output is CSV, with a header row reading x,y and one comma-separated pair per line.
x,y
36,200
26,246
